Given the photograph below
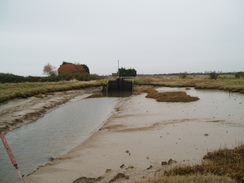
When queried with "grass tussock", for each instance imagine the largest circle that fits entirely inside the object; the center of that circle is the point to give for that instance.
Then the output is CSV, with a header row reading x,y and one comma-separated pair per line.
x,y
224,162
177,96
188,179
224,166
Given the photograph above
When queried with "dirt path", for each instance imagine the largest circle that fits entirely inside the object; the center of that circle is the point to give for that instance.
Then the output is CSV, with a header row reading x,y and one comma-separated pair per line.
x,y
15,113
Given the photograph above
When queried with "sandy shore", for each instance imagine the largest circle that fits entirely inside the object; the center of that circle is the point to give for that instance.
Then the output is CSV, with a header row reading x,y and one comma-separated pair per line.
x,y
15,113
135,141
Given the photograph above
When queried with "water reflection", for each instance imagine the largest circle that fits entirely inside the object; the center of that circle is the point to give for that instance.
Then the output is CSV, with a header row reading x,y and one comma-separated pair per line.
x,y
117,94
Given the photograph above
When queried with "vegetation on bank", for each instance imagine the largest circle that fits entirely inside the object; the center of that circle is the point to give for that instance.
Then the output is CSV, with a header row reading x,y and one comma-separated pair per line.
x,y
176,96
223,82
218,166
10,91
23,89
209,178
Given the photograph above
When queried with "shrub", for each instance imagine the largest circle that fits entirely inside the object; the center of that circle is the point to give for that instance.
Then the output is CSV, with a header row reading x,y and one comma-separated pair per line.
x,y
127,72
183,75
239,75
70,68
11,78
213,75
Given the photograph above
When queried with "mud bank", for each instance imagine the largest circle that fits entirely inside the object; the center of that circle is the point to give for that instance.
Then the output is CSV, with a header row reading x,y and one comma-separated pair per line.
x,y
17,112
144,137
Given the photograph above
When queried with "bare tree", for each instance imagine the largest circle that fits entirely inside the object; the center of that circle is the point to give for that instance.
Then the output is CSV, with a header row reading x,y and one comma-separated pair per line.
x,y
49,70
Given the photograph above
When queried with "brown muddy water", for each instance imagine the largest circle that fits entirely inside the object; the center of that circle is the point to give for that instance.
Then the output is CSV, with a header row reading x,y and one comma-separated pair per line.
x,y
216,120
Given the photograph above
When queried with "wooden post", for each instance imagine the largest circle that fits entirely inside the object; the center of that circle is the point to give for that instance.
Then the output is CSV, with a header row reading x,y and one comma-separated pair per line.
x,y
11,156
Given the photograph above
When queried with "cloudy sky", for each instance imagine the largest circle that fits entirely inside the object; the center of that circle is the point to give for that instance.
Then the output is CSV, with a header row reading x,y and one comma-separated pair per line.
x,y
152,36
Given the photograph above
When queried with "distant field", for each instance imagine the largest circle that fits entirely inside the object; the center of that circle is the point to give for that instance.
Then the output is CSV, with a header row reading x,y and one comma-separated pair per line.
x,y
10,91
227,83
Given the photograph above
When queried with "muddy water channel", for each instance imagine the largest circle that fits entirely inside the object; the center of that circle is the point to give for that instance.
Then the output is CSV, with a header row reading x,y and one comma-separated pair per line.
x,y
53,135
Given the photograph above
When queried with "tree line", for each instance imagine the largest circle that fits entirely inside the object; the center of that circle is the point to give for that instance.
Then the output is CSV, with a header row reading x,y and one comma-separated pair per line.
x,y
67,71
123,72
11,78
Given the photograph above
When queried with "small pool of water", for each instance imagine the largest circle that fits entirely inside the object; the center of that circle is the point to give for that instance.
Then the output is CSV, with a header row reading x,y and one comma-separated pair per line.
x,y
53,135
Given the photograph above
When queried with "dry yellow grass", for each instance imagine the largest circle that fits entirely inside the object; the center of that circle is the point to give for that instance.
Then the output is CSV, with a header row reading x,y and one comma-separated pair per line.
x,y
221,166
188,179
10,91
231,84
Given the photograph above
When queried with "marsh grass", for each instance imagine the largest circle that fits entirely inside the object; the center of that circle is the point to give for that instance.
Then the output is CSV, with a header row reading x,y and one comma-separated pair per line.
x,y
10,91
188,179
227,83
229,162
218,166
176,96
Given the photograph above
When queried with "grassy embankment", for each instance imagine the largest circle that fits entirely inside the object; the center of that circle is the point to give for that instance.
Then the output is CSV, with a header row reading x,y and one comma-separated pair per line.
x,y
224,165
10,91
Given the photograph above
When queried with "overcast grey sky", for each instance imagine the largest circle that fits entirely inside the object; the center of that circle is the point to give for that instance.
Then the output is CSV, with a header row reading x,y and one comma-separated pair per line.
x,y
152,36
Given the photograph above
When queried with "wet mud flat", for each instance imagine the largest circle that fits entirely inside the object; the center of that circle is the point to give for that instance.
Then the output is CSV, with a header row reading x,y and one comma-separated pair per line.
x,y
144,137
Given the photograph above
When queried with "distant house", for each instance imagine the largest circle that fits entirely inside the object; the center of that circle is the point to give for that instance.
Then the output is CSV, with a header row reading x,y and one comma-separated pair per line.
x,y
70,68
